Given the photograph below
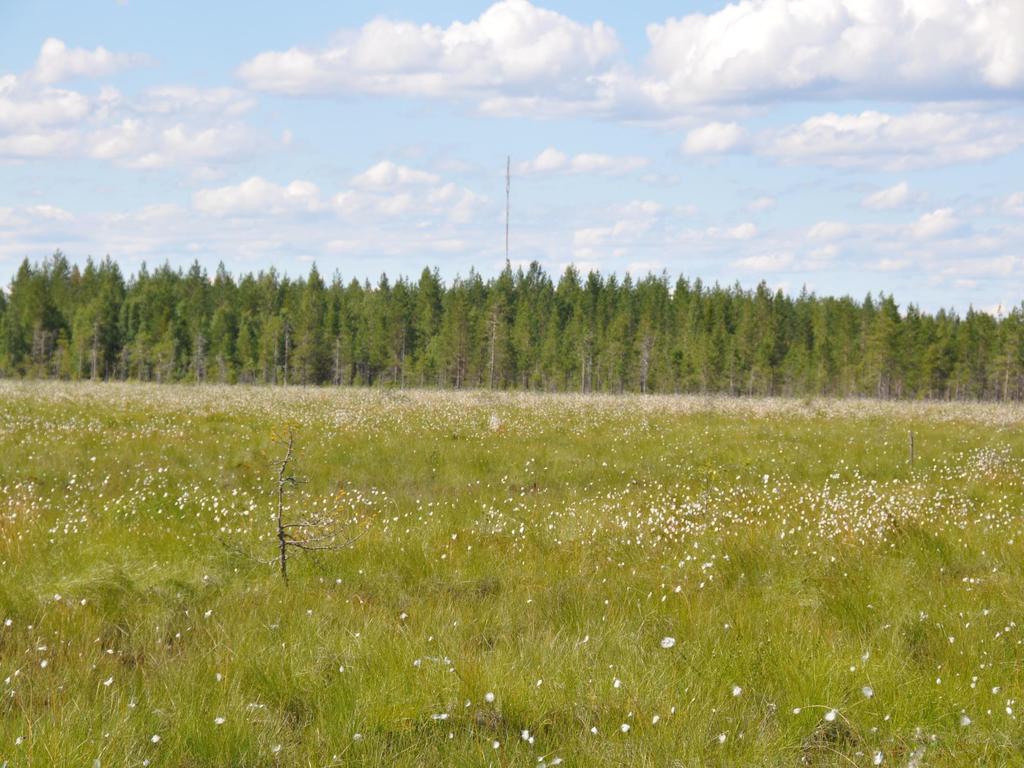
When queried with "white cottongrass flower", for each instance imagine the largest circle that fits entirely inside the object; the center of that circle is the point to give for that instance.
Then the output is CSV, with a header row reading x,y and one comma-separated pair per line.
x,y
877,759
489,697
155,738
736,690
108,682
495,744
624,727
868,691
668,642
721,738
964,721
219,721
830,716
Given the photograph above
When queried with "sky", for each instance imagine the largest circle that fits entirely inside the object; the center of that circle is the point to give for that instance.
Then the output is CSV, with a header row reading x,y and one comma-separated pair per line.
x,y
845,146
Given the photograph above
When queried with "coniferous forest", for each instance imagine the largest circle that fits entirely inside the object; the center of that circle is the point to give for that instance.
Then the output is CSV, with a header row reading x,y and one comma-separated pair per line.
x,y
523,329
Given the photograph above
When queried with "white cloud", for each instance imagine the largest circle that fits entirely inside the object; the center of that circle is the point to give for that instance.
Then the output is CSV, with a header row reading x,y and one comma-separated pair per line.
x,y
460,203
176,99
931,225
257,196
388,174
763,203
142,144
513,50
633,223
638,209
390,191
713,138
58,62
766,262
999,266
763,49
51,212
592,237
828,230
552,160
745,231
23,107
37,145
165,127
548,161
519,58
895,142
890,197
1014,204
599,163
891,265
821,258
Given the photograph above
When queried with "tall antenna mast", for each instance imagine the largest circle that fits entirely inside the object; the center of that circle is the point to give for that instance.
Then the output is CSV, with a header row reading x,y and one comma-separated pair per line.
x,y
508,197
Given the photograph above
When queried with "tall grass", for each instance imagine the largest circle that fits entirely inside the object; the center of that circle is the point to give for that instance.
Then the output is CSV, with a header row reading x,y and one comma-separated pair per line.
x,y
535,548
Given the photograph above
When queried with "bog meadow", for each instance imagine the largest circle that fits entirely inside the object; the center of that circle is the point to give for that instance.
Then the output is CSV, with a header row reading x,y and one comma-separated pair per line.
x,y
520,579
512,383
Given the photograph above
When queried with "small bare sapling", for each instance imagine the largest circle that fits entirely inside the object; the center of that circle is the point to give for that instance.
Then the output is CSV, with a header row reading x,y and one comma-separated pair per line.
x,y
316,531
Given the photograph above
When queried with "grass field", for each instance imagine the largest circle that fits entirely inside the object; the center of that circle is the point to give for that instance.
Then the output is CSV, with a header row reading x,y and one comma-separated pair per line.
x,y
536,580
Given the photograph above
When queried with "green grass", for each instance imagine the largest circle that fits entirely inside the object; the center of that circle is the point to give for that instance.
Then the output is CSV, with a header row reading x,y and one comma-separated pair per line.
x,y
535,547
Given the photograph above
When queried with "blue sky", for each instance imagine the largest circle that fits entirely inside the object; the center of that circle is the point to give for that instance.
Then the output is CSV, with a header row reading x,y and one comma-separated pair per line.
x,y
846,145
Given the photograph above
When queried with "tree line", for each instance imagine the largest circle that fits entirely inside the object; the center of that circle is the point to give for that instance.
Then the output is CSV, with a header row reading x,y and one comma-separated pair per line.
x,y
522,329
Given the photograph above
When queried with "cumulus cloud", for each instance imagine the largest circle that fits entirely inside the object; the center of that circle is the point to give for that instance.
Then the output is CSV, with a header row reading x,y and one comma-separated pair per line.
x,y
745,231
890,197
388,174
766,262
768,49
517,57
37,144
763,203
890,265
934,224
177,99
632,224
828,230
1014,204
917,139
23,108
165,127
999,266
713,138
256,196
389,190
137,143
552,160
58,62
514,49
